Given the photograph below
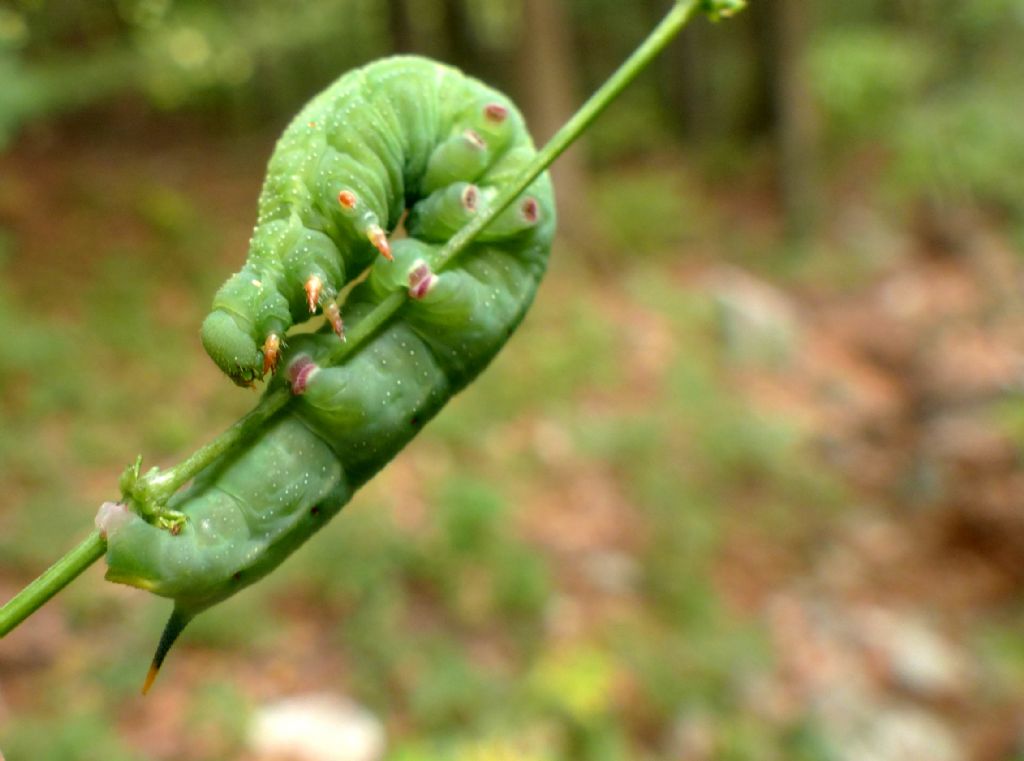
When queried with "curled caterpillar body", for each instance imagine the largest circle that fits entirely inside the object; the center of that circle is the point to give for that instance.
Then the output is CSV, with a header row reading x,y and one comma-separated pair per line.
x,y
346,420
401,133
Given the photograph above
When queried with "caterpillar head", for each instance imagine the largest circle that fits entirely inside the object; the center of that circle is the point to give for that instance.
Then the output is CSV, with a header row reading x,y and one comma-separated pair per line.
x,y
232,348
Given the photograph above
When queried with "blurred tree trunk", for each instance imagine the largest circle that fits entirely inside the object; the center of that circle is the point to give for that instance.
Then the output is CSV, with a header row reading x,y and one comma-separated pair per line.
x,y
682,72
460,40
400,27
784,33
688,85
758,115
548,96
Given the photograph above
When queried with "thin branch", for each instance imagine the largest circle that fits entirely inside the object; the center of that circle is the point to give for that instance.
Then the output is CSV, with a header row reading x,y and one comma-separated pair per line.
x,y
52,580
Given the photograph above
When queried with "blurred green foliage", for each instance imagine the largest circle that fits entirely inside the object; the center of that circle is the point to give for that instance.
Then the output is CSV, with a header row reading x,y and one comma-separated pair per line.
x,y
934,85
443,607
957,149
85,736
864,77
931,82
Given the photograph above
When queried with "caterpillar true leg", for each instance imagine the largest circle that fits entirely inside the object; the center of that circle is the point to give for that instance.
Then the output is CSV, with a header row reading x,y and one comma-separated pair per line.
x,y
379,239
314,285
271,353
333,314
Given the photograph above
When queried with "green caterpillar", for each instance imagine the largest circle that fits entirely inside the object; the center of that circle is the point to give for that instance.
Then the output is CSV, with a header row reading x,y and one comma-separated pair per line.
x,y
404,136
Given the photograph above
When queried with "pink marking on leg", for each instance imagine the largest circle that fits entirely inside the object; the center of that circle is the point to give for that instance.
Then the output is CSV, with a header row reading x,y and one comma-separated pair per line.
x,y
475,141
421,280
300,372
495,112
531,210
470,196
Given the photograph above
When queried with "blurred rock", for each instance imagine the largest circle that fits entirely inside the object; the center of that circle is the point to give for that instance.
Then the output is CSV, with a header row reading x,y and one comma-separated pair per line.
x,y
970,363
316,727
818,671
692,737
969,441
876,539
846,661
553,443
919,292
915,656
758,322
563,617
869,732
845,379
611,571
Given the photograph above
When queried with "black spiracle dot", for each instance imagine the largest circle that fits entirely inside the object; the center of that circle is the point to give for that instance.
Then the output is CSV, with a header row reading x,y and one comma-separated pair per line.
x,y
314,511
236,576
414,421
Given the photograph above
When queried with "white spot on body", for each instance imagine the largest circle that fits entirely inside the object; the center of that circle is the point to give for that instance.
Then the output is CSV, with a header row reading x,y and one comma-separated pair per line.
x,y
111,517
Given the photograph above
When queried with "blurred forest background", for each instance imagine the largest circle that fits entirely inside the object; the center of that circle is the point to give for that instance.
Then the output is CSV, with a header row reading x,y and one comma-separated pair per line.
x,y
748,483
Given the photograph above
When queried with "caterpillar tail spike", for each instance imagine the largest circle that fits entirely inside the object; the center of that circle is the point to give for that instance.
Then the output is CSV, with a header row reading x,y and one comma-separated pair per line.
x,y
172,630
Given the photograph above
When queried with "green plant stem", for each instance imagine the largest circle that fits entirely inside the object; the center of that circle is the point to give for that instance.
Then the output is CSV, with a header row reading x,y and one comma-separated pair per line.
x,y
51,581
162,484
158,485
